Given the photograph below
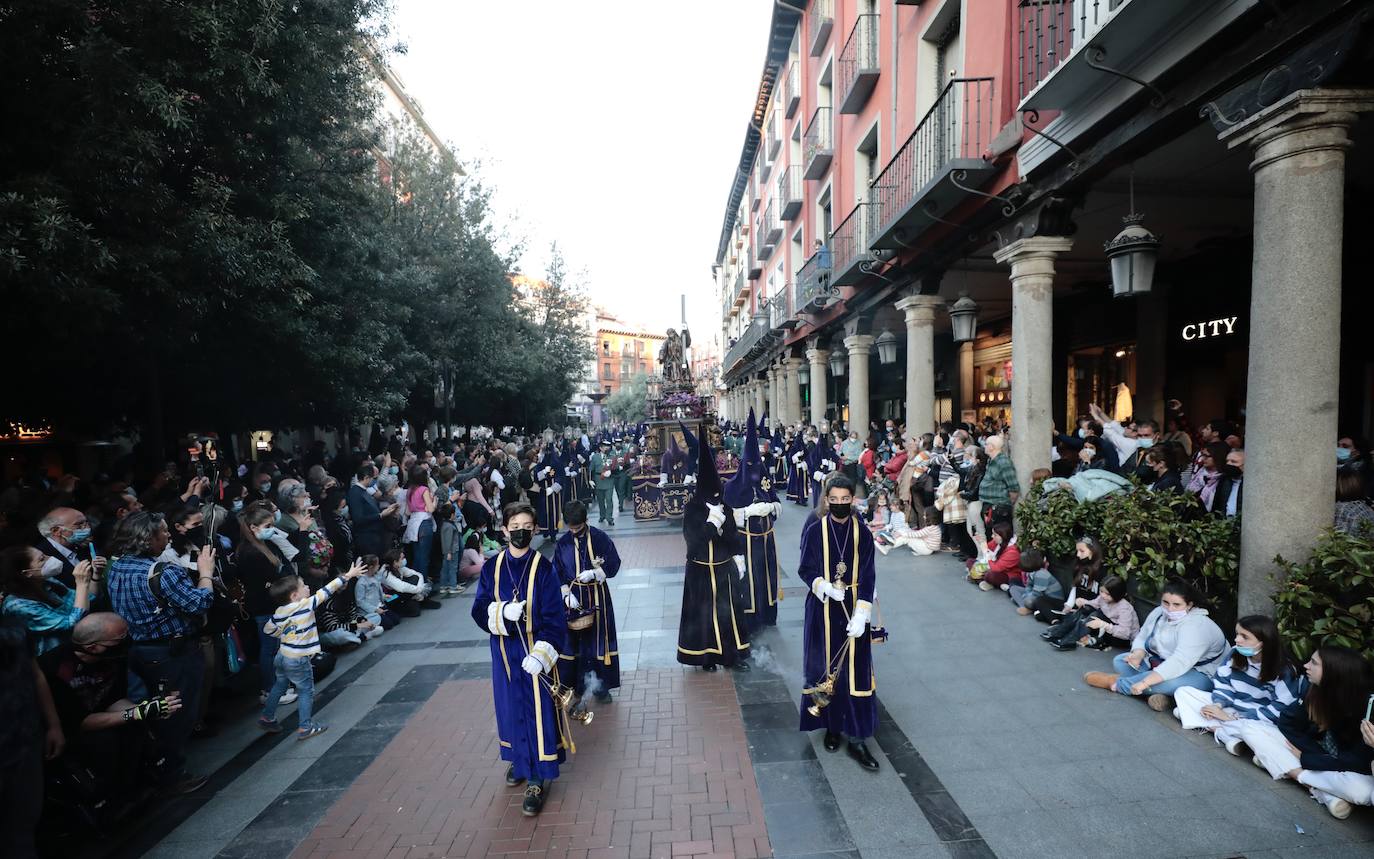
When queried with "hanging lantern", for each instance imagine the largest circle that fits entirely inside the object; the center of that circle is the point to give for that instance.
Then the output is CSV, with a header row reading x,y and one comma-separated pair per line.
x,y
1133,254
887,347
963,319
804,374
837,362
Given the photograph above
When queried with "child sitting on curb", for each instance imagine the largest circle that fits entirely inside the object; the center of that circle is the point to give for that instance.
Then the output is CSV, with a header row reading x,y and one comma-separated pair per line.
x,y
1040,582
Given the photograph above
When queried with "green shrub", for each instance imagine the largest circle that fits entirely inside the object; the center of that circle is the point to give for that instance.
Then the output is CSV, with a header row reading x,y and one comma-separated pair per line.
x,y
1147,537
1329,598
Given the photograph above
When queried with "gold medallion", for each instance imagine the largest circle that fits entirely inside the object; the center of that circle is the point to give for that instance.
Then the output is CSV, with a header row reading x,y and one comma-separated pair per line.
x,y
841,568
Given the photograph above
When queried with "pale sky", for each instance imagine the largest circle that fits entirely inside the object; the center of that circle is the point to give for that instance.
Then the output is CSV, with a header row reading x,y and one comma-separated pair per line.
x,y
611,126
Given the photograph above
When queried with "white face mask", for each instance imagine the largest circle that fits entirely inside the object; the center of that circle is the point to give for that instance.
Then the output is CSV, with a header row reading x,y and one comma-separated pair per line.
x,y
51,567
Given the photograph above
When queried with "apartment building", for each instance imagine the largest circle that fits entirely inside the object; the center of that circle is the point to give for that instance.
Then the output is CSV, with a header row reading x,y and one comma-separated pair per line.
x,y
969,209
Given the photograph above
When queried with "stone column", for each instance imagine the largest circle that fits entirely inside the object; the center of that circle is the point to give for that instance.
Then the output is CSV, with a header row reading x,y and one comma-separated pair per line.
x,y
1032,339
774,385
1299,147
792,383
818,359
760,399
1151,343
965,380
919,311
859,346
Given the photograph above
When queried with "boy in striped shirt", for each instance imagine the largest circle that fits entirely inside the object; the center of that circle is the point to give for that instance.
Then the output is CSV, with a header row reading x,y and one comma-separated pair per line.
x,y
294,623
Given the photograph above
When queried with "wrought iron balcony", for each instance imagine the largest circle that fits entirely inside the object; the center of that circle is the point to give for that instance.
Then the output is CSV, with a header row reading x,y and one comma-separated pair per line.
x,y
751,341
790,192
937,165
850,242
792,100
774,138
770,230
813,289
822,13
741,291
818,146
1048,31
755,264
781,316
859,64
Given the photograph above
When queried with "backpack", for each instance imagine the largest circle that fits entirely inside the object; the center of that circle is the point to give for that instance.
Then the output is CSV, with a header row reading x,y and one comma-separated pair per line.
x,y
224,611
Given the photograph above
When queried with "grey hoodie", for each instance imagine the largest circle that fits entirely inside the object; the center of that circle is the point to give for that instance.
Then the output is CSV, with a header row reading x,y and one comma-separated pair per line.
x,y
1194,642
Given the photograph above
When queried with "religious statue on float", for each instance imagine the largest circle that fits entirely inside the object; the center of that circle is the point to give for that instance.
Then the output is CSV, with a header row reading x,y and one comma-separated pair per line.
x,y
672,357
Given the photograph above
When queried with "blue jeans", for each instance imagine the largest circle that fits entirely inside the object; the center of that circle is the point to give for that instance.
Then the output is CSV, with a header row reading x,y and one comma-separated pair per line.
x,y
448,573
267,651
420,549
1130,676
290,671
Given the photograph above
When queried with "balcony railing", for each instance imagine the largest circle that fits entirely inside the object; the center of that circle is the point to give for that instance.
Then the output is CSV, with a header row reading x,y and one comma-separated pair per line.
x,y
774,138
813,289
790,192
818,146
792,100
1049,30
778,315
946,146
850,243
771,229
749,340
859,64
822,13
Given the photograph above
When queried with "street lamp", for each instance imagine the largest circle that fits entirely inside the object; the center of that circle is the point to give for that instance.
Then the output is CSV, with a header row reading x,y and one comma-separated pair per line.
x,y
887,347
836,362
804,374
1133,254
963,319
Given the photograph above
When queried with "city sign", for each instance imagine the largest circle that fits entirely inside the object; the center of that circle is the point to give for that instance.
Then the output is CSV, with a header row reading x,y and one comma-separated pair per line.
x,y
1211,328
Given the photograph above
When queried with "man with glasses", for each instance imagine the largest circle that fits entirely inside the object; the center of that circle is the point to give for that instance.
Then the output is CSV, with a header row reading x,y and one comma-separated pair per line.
x,y
64,535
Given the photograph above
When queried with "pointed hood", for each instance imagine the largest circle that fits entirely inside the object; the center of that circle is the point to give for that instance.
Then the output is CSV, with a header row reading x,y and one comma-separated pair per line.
x,y
708,479
739,492
692,448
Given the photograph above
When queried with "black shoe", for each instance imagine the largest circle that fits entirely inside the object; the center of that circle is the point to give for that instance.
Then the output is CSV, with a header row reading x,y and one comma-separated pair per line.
x,y
534,800
742,665
511,780
711,667
832,741
860,753
431,604
602,697
1047,635
1064,645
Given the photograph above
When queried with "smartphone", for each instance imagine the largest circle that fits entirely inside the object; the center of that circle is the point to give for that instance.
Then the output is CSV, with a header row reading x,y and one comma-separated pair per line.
x,y
1369,708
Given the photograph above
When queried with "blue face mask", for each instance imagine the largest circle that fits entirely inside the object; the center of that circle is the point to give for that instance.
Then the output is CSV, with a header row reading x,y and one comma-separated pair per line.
x,y
343,511
1145,442
237,505
81,535
1342,454
1082,433
1247,652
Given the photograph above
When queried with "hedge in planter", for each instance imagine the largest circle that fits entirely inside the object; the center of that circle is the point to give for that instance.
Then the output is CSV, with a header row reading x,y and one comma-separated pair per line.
x,y
1147,537
1329,598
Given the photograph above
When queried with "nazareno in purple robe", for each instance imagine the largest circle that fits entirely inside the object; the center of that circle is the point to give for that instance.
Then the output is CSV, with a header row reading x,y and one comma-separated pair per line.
x,y
533,732
825,545
595,649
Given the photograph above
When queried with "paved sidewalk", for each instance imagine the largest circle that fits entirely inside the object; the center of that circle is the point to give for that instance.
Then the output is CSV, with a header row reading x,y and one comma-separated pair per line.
x,y
990,746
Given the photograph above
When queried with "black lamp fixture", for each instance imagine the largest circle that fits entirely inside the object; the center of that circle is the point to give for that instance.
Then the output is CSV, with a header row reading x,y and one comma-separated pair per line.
x,y
1133,253
963,319
887,347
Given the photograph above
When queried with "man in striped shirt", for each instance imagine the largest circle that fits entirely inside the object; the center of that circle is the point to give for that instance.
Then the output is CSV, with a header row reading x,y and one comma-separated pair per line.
x,y
294,624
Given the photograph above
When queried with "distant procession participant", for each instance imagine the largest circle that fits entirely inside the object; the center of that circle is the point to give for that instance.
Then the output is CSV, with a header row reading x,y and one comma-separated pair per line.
x,y
712,630
584,559
750,495
624,459
603,482
548,491
574,480
799,476
837,566
520,603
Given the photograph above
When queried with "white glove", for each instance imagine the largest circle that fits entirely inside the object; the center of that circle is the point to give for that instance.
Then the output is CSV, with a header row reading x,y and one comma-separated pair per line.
x,y
532,666
689,479
743,566
555,487
740,516
571,472
571,601
715,514
797,458
662,479
587,575
545,473
544,657
817,475
582,459
777,508
600,574
858,621
514,610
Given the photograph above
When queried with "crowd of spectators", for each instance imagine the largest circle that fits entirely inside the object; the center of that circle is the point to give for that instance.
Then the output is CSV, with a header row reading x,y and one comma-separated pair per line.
x,y
140,606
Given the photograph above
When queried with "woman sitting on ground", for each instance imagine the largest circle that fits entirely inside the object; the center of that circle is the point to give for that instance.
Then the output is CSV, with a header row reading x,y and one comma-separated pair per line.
x,y
1106,620
1177,646
1256,682
879,512
1005,566
1086,582
1323,741
917,532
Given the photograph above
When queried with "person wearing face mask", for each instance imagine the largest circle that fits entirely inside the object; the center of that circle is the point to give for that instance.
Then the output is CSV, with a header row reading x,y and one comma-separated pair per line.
x,y
712,630
519,602
1178,645
187,536
260,563
797,476
750,496
65,535
1226,500
105,729
1130,443
837,566
1164,473
1256,682
365,515
585,557
44,606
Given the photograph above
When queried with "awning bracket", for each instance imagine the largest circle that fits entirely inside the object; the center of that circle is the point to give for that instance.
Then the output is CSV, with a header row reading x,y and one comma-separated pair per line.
x,y
1094,57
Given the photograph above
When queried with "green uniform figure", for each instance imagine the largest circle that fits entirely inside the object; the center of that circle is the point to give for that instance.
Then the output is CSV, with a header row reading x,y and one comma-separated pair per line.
x,y
603,483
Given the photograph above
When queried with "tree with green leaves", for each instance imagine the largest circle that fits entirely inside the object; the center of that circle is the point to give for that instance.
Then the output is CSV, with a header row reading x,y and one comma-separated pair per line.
x,y
631,402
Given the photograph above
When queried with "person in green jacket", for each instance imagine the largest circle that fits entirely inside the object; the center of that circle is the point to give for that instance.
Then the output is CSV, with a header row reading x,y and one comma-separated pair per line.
x,y
603,482
625,456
